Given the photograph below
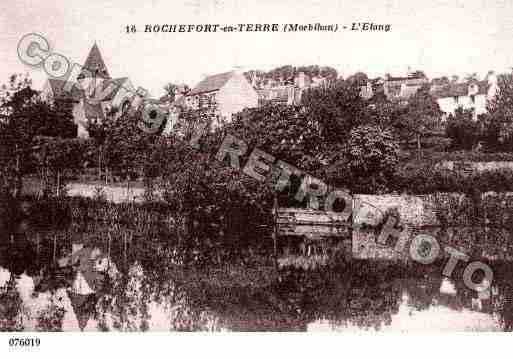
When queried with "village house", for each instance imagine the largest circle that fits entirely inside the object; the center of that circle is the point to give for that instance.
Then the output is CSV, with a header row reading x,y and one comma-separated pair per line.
x,y
290,93
395,88
469,95
402,88
227,93
103,94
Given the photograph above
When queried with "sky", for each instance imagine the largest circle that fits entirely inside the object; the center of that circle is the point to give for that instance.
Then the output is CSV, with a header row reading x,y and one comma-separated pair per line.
x,y
438,37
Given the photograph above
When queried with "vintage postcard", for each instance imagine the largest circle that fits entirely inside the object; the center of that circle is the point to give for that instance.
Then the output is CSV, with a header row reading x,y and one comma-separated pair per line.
x,y
270,166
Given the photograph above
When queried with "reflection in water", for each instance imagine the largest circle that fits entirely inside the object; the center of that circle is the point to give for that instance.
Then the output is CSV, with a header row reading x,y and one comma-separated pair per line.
x,y
51,280
86,291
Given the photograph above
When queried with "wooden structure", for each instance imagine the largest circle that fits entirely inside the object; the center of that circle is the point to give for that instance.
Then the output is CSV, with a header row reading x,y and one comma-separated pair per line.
x,y
309,224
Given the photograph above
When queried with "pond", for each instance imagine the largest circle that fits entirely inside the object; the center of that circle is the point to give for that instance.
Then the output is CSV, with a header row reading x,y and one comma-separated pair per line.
x,y
87,290
66,277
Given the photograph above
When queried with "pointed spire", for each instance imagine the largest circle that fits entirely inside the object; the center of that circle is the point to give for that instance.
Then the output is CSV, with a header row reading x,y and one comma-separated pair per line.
x,y
94,65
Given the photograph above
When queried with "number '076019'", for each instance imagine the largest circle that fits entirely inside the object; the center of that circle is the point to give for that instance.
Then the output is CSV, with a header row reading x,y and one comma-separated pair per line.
x,y
24,342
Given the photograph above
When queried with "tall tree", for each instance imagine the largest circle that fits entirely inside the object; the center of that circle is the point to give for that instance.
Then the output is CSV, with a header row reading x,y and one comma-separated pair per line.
x,y
25,116
358,79
462,129
17,101
498,124
422,115
336,110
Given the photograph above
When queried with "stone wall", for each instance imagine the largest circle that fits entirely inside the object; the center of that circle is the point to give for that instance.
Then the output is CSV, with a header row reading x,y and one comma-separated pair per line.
x,y
481,231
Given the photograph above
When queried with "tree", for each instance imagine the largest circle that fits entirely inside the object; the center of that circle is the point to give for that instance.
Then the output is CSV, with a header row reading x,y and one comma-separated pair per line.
x,y
463,131
358,79
471,76
24,117
19,118
422,115
55,158
336,110
287,74
498,124
385,113
418,74
372,156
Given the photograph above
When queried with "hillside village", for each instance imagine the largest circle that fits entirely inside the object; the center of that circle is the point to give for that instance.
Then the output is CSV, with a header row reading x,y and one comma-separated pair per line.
x,y
232,91
98,213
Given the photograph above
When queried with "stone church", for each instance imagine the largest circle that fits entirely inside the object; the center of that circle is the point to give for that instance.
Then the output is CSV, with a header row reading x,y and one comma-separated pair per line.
x,y
95,93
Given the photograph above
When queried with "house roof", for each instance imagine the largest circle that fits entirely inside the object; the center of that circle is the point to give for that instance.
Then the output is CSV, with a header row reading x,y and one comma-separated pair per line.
x,y
95,64
457,89
211,83
118,84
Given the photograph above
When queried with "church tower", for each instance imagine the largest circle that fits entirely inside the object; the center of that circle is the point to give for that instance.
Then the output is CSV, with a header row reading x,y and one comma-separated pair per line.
x,y
94,65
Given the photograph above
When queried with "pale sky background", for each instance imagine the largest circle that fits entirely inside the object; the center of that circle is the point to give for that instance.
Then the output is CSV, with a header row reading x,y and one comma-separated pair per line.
x,y
439,37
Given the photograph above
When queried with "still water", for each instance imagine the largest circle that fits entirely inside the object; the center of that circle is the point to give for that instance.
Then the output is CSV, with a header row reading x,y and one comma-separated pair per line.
x,y
100,267
87,289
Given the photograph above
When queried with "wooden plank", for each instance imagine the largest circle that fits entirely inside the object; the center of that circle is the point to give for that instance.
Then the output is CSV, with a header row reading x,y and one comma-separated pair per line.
x,y
309,216
312,230
310,223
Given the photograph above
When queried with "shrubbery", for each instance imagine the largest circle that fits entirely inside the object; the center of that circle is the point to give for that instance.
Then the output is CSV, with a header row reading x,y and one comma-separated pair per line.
x,y
427,179
463,131
223,210
372,155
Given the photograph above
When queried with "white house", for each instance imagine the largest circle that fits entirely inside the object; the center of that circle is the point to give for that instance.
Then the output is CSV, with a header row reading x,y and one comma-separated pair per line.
x,y
469,95
230,92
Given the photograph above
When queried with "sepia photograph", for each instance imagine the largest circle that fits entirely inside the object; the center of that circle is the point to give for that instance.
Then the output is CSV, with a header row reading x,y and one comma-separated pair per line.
x,y
273,166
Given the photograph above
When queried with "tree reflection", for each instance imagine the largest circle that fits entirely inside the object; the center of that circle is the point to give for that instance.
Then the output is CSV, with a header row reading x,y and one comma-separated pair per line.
x,y
11,307
50,318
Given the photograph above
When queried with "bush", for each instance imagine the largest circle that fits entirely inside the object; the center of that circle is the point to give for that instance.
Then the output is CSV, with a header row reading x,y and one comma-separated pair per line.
x,y
425,179
463,131
372,158
223,210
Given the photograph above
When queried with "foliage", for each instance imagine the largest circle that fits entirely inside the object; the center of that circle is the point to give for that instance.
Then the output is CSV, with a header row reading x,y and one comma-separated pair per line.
x,y
51,317
372,157
287,74
463,131
425,178
434,157
386,114
11,307
57,158
283,131
336,110
498,124
124,145
358,79
422,114
24,117
216,202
